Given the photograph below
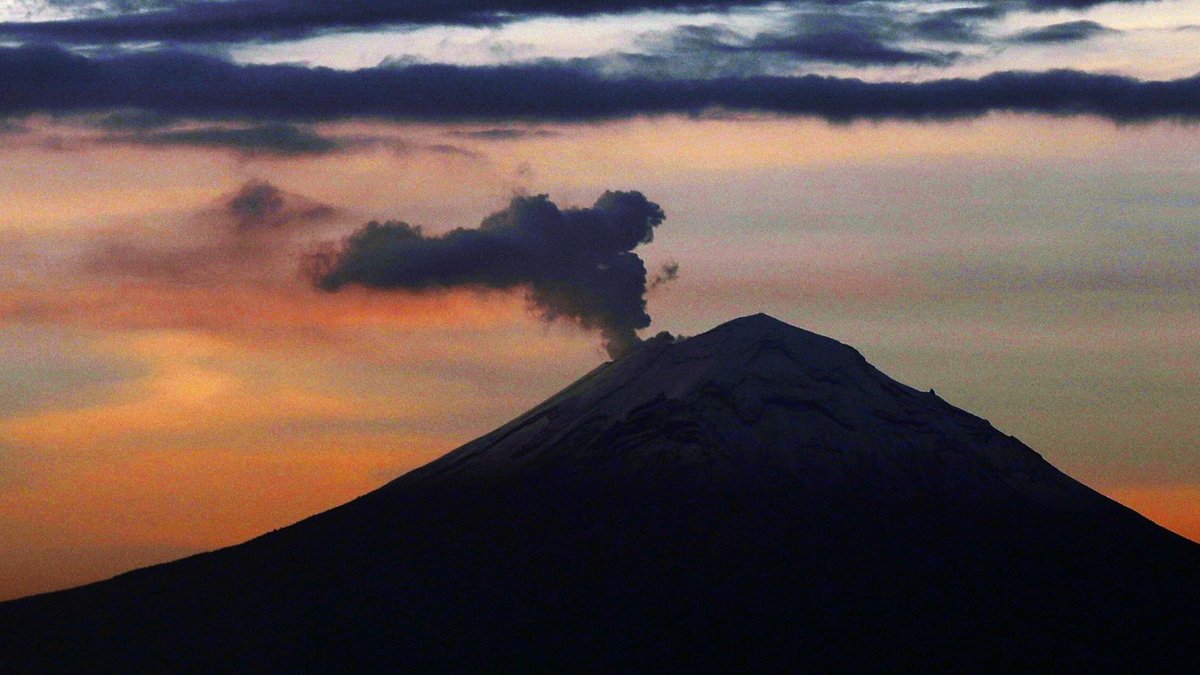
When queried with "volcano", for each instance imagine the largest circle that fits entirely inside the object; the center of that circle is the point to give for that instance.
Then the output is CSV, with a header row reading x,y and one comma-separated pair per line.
x,y
755,497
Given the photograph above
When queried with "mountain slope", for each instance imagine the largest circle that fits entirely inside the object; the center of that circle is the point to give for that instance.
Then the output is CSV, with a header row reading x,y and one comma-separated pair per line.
x,y
754,497
755,402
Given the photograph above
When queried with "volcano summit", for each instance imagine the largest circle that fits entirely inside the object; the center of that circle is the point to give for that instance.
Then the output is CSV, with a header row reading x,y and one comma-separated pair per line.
x,y
757,496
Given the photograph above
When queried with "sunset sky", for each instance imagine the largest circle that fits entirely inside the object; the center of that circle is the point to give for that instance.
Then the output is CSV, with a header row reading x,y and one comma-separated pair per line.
x,y
997,199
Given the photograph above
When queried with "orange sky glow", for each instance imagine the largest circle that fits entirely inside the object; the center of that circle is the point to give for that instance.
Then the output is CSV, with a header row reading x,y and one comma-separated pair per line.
x,y
146,414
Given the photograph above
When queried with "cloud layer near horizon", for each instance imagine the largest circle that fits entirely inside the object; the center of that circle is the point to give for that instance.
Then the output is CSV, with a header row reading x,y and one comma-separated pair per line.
x,y
171,83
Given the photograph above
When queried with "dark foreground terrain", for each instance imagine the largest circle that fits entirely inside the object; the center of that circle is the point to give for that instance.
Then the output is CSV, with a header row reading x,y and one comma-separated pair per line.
x,y
754,497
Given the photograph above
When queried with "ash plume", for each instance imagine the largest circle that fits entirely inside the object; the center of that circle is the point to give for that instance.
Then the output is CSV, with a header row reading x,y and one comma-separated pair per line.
x,y
666,274
576,264
252,230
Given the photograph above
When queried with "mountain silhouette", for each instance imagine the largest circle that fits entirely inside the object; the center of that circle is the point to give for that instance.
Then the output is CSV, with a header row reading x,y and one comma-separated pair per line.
x,y
755,497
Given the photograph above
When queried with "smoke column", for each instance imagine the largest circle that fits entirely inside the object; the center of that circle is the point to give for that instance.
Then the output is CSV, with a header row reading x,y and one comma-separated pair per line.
x,y
576,264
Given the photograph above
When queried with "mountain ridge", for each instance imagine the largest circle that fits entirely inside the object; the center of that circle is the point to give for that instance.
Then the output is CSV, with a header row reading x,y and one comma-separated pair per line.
x,y
744,369
757,496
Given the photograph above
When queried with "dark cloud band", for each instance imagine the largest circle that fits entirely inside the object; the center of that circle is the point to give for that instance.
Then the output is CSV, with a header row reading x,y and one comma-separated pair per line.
x,y
44,79
228,21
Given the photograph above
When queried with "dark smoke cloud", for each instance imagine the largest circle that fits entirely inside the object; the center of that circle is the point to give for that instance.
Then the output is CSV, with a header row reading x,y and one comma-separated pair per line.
x,y
49,80
259,205
576,264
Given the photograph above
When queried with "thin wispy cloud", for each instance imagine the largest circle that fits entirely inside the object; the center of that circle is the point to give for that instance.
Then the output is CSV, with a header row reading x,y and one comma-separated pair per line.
x,y
255,140
1069,31
501,134
861,40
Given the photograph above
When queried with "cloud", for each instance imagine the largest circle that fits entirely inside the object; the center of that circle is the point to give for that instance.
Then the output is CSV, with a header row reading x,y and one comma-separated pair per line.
x,y
959,24
282,314
251,231
1159,275
501,134
846,47
281,140
250,141
853,38
449,149
44,79
1051,5
230,21
860,40
217,21
259,205
857,34
575,264
131,121
1162,277
1070,31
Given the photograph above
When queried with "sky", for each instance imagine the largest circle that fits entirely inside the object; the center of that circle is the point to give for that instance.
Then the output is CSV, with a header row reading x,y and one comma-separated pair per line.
x,y
258,257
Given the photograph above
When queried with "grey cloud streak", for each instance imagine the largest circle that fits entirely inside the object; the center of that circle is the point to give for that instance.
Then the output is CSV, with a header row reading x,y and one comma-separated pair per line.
x,y
817,37
282,140
1068,31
